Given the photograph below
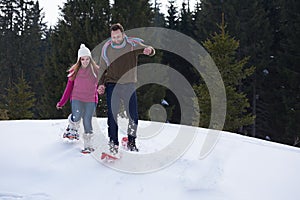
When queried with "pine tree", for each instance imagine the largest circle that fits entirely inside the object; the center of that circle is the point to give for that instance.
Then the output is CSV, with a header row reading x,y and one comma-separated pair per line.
x,y
132,13
20,100
172,17
10,69
182,23
3,114
159,18
33,51
248,22
186,20
172,20
252,28
288,61
206,13
21,37
223,49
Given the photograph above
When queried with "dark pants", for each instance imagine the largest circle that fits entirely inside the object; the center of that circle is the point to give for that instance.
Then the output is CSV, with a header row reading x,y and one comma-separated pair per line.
x,y
114,94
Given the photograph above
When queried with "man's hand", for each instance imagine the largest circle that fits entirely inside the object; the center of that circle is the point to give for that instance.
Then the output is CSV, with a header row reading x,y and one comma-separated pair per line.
x,y
147,51
101,89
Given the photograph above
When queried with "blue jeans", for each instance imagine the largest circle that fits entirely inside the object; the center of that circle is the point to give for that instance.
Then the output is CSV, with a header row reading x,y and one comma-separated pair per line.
x,y
114,94
84,110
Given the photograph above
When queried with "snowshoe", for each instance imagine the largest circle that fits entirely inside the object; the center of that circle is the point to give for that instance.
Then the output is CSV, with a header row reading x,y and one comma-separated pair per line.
x,y
87,150
113,153
108,157
71,136
71,131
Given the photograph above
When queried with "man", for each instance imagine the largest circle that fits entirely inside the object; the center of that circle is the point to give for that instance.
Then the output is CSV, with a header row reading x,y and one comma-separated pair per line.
x,y
119,58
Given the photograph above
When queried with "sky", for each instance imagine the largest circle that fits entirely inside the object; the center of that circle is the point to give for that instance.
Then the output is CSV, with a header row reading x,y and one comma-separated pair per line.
x,y
38,164
50,7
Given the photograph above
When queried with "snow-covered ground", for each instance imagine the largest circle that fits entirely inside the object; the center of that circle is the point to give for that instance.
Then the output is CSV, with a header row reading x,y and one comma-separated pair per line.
x,y
37,164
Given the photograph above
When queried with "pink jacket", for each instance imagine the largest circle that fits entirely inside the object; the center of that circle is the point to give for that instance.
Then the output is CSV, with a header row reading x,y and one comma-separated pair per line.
x,y
83,88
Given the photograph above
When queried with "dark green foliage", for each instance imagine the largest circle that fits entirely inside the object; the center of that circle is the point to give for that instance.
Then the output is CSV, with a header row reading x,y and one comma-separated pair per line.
x,y
132,13
172,16
20,100
267,31
159,18
222,48
180,21
21,41
288,72
3,114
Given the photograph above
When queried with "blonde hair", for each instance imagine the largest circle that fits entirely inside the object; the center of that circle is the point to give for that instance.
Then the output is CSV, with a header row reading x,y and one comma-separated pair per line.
x,y
74,69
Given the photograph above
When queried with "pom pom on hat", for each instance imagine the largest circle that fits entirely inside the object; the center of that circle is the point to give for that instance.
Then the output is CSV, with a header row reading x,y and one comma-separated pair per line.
x,y
83,51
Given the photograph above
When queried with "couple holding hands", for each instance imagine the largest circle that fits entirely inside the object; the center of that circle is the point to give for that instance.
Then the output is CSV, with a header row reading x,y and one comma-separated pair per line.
x,y
119,57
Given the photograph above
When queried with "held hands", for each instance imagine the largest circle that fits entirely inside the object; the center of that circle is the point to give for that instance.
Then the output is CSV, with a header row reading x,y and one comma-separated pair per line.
x,y
147,51
101,89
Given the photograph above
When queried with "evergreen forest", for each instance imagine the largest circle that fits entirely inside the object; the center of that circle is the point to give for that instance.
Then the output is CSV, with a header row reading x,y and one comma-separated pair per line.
x,y
254,43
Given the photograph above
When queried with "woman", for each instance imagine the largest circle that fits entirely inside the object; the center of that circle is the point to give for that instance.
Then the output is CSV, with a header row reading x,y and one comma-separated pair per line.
x,y
81,89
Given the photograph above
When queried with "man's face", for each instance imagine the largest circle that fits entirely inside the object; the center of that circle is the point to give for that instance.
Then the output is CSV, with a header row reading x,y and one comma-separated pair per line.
x,y
117,36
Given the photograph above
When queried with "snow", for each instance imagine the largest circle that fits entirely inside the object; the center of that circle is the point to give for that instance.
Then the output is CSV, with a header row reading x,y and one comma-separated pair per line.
x,y
37,164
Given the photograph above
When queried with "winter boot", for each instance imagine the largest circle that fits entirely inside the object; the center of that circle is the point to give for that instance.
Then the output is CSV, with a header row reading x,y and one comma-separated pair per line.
x,y
132,128
72,130
131,144
87,143
113,149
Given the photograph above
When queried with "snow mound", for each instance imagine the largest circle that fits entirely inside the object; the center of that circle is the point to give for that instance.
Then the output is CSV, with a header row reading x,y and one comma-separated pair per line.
x,y
36,163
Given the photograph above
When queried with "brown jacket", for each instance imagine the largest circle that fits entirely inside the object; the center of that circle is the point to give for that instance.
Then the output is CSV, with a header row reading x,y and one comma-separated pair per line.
x,y
119,64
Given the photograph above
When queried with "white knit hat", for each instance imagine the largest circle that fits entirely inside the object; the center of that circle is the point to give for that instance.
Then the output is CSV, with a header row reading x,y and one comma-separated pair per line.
x,y
83,51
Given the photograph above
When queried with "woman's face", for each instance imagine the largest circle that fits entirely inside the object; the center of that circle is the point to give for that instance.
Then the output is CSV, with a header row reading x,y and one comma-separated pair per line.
x,y
85,60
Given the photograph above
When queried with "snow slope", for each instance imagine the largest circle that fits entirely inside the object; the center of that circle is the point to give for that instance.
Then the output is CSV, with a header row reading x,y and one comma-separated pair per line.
x,y
36,164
